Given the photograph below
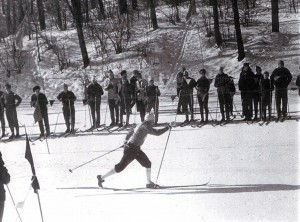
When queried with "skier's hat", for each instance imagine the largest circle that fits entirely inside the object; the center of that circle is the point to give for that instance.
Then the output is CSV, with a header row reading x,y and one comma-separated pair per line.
x,y
149,117
135,72
65,85
35,88
246,64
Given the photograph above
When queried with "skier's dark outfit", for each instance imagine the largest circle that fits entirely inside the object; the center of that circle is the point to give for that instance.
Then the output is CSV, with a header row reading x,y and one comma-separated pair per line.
x,y
257,93
2,119
267,89
67,98
222,83
94,93
203,96
4,179
186,95
152,93
43,102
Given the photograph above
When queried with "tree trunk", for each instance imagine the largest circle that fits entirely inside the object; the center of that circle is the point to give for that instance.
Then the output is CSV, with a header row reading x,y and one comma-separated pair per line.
x,y
20,12
218,36
153,14
239,39
192,9
3,7
31,7
41,12
275,16
14,16
122,6
58,15
77,16
93,4
247,4
134,4
86,11
8,18
253,3
101,8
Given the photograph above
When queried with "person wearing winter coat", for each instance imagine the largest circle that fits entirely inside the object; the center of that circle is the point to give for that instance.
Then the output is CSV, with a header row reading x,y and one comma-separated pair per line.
x,y
267,89
202,87
222,83
256,96
179,79
140,90
246,86
39,101
152,94
186,94
94,93
298,84
2,119
10,101
232,93
68,98
132,150
281,78
126,95
112,87
4,179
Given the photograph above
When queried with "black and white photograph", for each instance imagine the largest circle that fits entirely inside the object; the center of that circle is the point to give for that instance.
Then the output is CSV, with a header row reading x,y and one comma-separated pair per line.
x,y
149,110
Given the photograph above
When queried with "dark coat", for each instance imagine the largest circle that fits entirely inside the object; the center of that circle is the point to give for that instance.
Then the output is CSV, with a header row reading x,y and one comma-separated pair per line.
x,y
266,87
222,83
43,102
257,79
126,91
246,82
8,100
65,97
152,92
187,86
202,85
281,77
4,178
94,90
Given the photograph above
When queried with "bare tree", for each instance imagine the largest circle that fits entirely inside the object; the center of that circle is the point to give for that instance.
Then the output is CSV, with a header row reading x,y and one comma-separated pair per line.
x,y
122,6
3,7
75,8
41,13
8,18
101,8
153,14
239,38
275,16
58,14
218,36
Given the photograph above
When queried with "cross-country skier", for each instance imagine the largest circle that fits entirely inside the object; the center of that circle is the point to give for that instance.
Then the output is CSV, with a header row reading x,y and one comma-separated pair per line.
x,y
267,89
4,179
140,90
132,149
153,93
40,102
126,95
10,101
281,78
256,95
67,98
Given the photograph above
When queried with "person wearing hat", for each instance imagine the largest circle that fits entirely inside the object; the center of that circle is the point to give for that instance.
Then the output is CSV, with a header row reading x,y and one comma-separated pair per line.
x,y
132,149
2,119
10,101
67,98
246,86
202,88
126,95
141,85
222,83
94,93
256,95
4,179
39,101
112,86
281,78
152,94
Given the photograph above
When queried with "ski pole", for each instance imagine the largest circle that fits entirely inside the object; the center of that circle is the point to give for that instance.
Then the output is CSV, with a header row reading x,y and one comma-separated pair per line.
x,y
166,147
13,202
71,170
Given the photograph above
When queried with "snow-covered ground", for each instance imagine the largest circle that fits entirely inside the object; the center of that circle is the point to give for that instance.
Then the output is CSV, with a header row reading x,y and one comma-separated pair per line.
x,y
253,172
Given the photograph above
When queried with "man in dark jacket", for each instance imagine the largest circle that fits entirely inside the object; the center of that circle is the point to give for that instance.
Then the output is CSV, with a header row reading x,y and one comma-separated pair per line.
x,y
186,94
232,93
94,93
10,101
2,119
152,93
4,179
40,102
267,89
222,83
246,86
281,78
67,98
258,77
126,95
202,88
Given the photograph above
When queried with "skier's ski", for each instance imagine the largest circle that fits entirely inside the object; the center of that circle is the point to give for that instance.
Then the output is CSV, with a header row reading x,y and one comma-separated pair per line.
x,y
183,124
71,133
